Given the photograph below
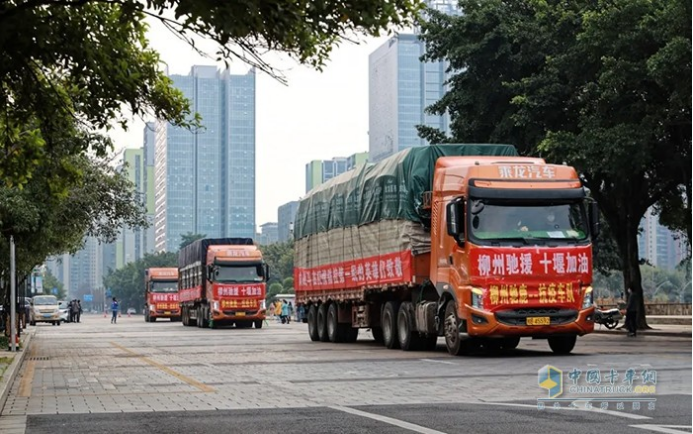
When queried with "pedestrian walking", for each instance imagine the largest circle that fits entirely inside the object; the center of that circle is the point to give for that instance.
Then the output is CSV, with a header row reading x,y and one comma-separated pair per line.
x,y
69,311
291,313
79,309
75,311
632,313
285,312
114,309
278,310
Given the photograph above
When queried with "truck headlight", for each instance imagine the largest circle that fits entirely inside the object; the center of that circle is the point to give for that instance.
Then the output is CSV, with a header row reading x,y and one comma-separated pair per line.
x,y
152,307
215,305
587,300
477,298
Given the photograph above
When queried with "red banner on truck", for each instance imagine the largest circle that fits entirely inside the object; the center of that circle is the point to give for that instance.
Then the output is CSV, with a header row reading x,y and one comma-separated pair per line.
x,y
375,270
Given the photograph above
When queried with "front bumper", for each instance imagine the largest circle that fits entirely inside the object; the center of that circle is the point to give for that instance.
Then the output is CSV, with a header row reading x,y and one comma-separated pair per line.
x,y
42,318
175,313
238,315
482,323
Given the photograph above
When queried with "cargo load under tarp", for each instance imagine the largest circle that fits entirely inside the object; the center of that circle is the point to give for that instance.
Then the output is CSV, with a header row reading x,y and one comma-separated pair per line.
x,y
197,250
367,223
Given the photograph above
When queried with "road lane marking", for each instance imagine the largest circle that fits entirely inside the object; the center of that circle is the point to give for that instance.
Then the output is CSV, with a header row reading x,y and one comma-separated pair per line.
x,y
203,387
27,381
388,420
666,429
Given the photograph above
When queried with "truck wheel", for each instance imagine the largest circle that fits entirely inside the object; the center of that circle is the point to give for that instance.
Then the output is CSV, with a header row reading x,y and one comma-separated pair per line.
x,y
406,332
322,323
454,343
191,322
377,333
333,329
258,324
562,344
184,316
313,323
389,319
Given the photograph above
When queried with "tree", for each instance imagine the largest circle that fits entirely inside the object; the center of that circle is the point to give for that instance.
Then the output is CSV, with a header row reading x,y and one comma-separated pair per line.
x,y
274,289
602,86
127,283
98,203
88,59
50,282
280,257
189,238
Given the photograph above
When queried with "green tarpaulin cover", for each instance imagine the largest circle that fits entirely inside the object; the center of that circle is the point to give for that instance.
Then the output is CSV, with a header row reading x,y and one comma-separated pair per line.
x,y
389,189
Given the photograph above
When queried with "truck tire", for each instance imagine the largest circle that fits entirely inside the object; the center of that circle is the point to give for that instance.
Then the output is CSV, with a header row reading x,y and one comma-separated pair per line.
x,y
322,323
258,324
313,323
407,333
562,344
191,322
334,332
389,324
198,315
184,316
455,345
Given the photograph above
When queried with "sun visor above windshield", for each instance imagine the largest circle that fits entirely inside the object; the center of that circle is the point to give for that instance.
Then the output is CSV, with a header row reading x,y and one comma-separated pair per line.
x,y
531,190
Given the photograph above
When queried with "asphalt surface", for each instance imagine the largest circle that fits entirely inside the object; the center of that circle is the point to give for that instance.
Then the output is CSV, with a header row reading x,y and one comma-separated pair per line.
x,y
136,377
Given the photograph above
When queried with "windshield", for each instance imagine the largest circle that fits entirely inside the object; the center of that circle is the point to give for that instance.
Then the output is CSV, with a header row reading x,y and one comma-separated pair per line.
x,y
45,301
165,286
512,221
237,274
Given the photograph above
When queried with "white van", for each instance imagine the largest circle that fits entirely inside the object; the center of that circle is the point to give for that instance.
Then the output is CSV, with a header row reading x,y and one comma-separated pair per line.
x,y
45,308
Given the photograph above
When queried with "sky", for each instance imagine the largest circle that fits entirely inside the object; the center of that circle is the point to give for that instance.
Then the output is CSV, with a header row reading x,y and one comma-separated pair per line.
x,y
317,116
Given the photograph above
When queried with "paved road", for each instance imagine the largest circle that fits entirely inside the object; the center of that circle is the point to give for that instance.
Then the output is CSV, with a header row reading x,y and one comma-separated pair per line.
x,y
81,378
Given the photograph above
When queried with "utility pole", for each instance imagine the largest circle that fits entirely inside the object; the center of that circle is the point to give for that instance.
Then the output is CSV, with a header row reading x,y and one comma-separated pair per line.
x,y
13,297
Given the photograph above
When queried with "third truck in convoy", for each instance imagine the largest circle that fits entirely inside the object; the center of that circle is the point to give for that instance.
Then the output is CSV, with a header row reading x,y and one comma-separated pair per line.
x,y
222,282
161,294
469,242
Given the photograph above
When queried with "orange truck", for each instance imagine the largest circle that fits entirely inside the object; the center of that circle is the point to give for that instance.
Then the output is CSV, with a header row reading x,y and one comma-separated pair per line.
x,y
467,242
161,294
221,282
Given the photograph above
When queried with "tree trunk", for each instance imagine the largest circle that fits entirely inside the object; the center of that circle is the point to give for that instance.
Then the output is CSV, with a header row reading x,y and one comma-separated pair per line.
x,y
628,243
625,230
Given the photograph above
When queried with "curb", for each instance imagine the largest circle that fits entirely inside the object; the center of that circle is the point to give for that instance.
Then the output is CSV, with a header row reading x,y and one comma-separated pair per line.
x,y
12,371
655,332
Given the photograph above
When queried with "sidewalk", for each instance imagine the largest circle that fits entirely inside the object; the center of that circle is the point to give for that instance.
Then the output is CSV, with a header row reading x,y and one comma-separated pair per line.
x,y
8,371
667,330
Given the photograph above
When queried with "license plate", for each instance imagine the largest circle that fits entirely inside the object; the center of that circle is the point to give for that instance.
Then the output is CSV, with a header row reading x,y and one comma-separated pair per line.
x,y
47,315
539,320
167,313
240,313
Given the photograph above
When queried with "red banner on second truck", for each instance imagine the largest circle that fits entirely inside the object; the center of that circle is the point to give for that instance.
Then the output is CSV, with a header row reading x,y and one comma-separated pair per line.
x,y
378,270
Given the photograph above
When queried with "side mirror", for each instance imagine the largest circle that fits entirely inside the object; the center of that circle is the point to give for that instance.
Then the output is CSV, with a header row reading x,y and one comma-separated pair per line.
x,y
267,272
210,271
455,223
594,219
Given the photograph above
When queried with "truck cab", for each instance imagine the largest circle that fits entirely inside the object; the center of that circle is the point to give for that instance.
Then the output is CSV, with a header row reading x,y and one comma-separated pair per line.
x,y
161,294
511,243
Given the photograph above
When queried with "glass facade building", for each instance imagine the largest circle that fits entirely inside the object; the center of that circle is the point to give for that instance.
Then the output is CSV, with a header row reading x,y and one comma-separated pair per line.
x,y
319,171
205,179
285,218
400,88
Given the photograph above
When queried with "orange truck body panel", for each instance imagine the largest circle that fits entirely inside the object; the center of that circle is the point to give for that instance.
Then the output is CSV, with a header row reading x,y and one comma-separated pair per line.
x,y
165,304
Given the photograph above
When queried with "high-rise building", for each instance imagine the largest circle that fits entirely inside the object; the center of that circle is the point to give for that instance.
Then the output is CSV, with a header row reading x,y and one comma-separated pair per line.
x,y
129,246
659,245
400,88
286,215
149,147
205,179
268,233
319,171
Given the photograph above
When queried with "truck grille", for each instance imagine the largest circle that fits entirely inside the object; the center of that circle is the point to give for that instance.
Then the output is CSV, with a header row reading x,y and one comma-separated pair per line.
x,y
519,316
234,312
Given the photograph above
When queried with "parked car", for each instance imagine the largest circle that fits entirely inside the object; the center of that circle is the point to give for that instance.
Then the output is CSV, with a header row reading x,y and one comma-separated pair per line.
x,y
64,310
131,311
45,308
